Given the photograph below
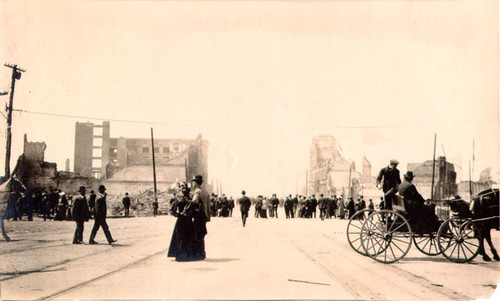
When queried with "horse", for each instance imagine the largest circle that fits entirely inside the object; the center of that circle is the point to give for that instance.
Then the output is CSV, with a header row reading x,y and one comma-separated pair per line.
x,y
10,192
485,209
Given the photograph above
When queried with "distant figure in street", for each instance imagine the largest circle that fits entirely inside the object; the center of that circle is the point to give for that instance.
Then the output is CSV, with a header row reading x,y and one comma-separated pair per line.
x,y
323,205
341,206
155,207
275,202
100,217
350,207
381,205
126,203
224,209
288,207
314,205
245,205
258,205
53,199
361,206
231,206
29,201
263,207
201,215
45,206
80,215
390,179
371,206
92,198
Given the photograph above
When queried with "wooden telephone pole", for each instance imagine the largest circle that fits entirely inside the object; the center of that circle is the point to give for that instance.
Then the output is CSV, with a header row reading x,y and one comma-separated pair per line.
x,y
16,74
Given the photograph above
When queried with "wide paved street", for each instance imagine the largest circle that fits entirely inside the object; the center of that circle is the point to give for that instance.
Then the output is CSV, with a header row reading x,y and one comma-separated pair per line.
x,y
267,259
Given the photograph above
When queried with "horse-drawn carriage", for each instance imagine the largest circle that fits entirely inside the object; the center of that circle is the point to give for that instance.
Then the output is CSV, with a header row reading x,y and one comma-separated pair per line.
x,y
387,235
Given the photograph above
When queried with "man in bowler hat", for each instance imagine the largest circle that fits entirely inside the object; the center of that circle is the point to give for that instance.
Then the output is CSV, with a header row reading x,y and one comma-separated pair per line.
x,y
100,217
80,214
201,215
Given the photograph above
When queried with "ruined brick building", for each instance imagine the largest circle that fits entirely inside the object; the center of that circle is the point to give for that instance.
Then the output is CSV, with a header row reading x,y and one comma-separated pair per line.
x,y
445,178
128,161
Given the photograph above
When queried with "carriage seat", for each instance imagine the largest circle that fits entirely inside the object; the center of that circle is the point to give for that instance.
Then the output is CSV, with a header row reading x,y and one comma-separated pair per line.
x,y
398,203
422,219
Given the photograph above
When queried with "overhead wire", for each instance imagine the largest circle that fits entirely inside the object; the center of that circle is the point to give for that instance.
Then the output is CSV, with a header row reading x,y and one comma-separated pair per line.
x,y
246,125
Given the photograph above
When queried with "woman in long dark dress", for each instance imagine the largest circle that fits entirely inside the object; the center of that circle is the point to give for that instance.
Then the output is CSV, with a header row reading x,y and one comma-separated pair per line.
x,y
182,237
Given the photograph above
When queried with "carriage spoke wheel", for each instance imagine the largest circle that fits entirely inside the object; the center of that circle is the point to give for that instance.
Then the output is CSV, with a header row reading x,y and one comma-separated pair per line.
x,y
354,230
458,240
386,236
427,243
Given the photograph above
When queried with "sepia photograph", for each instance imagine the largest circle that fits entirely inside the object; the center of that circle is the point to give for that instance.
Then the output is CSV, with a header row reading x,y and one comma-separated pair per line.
x,y
249,150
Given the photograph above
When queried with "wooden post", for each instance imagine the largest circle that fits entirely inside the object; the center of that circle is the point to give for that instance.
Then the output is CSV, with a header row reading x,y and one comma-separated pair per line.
x,y
16,74
433,168
154,166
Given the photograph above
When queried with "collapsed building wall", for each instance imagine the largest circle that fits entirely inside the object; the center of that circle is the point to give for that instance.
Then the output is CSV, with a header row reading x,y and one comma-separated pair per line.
x,y
38,175
330,173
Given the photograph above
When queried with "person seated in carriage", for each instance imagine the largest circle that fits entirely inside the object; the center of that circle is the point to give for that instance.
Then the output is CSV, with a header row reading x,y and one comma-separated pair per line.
x,y
422,217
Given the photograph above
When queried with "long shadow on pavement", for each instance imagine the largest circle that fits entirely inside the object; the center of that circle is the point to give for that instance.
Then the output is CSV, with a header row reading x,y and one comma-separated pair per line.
x,y
220,259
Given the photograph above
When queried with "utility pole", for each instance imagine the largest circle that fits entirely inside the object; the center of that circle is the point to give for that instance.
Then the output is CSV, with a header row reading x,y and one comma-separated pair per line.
x,y
16,74
154,165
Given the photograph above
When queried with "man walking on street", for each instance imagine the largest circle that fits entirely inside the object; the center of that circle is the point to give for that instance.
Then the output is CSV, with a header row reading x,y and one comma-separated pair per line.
x,y
245,204
80,215
100,217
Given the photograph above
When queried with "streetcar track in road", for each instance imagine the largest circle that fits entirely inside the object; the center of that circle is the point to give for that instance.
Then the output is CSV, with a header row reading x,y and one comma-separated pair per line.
x,y
18,274
43,269
65,243
86,282
345,285
422,280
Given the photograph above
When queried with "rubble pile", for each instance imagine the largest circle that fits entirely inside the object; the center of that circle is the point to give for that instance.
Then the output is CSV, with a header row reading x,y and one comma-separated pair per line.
x,y
141,204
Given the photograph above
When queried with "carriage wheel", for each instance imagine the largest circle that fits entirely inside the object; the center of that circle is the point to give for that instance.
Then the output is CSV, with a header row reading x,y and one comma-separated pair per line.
x,y
458,240
354,230
427,243
386,236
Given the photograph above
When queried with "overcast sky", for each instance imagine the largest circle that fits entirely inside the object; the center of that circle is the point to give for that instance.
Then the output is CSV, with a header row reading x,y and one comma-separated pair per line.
x,y
259,79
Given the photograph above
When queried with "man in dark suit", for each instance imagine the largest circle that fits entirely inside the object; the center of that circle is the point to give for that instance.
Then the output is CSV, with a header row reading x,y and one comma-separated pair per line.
x,y
126,204
391,180
275,202
288,206
245,205
100,217
80,215
201,215
314,205
322,202
421,217
350,207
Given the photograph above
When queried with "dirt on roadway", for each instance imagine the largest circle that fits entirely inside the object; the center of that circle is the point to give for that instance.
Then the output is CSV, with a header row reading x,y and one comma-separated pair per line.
x,y
267,259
